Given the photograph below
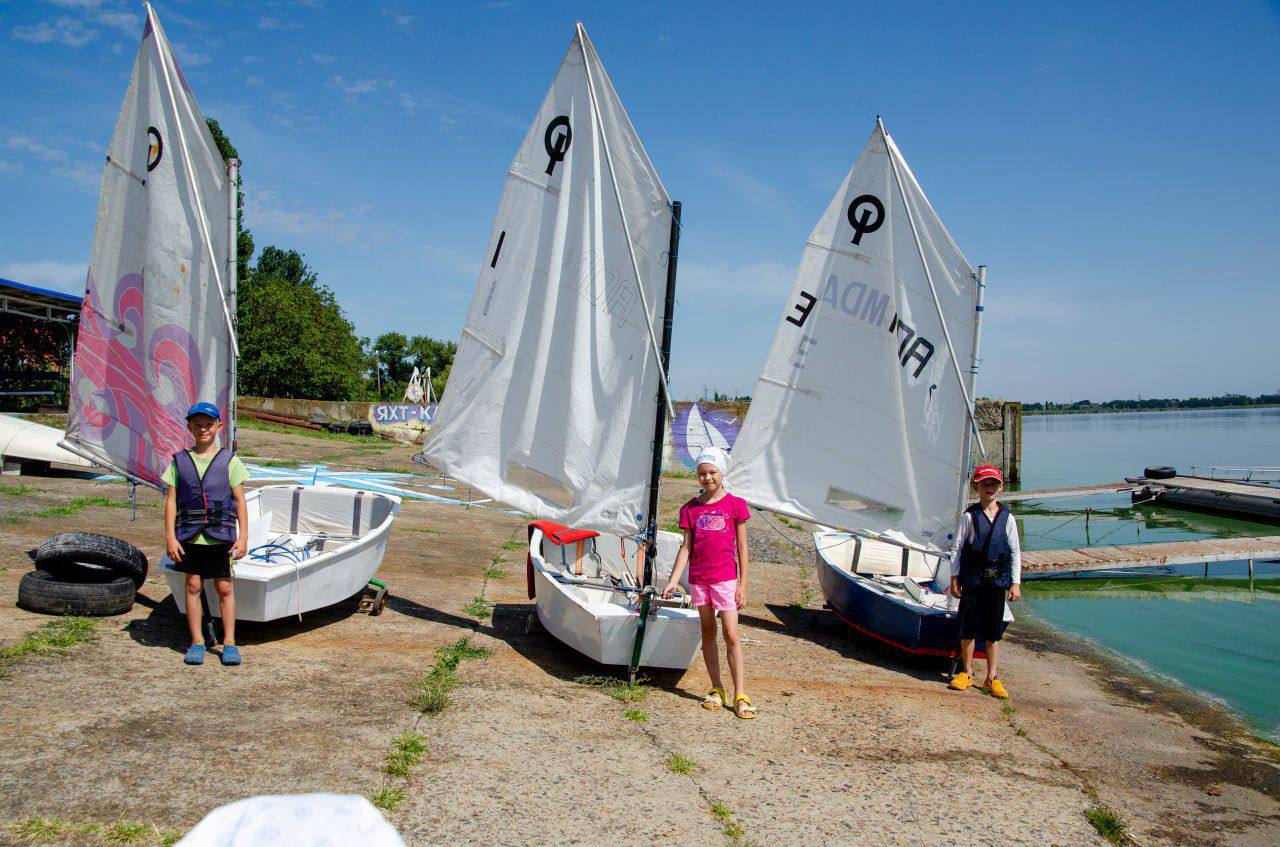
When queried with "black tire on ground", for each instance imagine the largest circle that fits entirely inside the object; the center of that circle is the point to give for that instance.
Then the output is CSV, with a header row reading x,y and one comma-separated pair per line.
x,y
65,570
1160,472
39,591
61,553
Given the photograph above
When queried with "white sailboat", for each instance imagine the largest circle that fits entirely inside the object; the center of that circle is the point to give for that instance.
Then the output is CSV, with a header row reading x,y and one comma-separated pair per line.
x,y
863,415
550,403
157,333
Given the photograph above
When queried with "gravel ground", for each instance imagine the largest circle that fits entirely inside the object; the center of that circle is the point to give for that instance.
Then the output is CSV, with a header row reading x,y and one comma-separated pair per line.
x,y
853,745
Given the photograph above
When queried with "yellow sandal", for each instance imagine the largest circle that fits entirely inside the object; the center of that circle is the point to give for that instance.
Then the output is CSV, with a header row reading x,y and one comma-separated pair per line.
x,y
714,700
746,713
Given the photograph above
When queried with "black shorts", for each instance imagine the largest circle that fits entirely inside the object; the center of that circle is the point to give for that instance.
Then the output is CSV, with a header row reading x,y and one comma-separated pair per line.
x,y
982,611
210,561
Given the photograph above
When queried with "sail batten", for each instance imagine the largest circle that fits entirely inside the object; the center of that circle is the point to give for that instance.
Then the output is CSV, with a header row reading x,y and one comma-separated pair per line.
x,y
155,333
549,404
859,418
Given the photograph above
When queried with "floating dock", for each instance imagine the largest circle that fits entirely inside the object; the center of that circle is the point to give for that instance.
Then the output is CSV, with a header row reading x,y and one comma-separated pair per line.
x,y
1058,563
1249,500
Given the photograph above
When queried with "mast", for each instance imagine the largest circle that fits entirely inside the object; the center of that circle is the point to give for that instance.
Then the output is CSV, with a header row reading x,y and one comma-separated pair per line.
x,y
979,297
233,269
660,422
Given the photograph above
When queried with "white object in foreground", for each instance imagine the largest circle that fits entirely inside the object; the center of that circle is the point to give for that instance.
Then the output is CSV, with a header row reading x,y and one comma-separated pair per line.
x,y
27,442
294,819
329,544
599,622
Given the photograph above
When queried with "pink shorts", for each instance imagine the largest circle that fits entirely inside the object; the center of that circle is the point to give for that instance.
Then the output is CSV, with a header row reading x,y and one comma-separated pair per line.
x,y
720,595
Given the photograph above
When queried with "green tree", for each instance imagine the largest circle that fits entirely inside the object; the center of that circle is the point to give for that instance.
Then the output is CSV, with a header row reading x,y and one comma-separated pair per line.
x,y
244,238
295,340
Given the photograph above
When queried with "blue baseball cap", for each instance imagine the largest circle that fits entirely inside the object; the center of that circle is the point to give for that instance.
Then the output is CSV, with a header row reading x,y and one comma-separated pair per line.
x,y
204,409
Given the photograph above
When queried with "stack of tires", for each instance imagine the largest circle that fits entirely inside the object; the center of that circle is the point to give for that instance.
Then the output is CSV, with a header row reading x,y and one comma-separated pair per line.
x,y
83,573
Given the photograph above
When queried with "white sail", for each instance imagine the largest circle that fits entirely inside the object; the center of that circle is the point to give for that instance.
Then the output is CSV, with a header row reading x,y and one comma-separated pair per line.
x,y
550,402
154,334
700,433
860,418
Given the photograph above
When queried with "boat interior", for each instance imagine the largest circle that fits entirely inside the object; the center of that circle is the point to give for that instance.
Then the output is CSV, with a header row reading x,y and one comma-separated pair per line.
x,y
908,575
291,524
595,568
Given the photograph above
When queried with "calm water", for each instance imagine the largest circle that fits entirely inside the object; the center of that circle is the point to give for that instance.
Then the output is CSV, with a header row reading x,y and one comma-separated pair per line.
x,y
1213,636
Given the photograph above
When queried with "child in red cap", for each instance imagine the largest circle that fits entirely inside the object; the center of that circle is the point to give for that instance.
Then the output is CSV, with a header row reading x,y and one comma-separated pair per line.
x,y
986,570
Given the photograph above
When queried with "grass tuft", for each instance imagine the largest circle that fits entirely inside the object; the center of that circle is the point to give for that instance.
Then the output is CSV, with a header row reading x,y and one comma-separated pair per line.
x,y
679,475
387,799
126,833
615,688
1108,823
478,608
42,829
637,715
426,531
729,825
17,490
681,764
433,692
515,545
55,636
494,573
248,423
405,754
78,504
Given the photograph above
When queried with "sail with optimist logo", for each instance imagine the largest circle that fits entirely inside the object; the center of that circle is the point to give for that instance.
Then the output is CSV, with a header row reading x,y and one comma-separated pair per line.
x,y
862,416
550,401
155,329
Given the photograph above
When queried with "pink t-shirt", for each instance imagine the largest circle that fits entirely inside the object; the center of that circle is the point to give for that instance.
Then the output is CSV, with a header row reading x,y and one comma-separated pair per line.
x,y
715,538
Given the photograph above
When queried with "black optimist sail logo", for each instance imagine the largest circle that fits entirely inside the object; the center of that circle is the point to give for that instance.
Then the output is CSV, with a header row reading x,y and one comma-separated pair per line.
x,y
155,148
556,140
866,214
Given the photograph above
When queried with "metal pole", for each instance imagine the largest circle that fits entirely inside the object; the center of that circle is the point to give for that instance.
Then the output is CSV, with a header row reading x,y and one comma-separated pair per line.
x,y
979,296
660,418
1251,576
233,268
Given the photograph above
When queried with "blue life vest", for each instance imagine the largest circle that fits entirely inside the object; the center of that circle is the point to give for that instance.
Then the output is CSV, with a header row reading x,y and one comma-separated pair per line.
x,y
205,506
986,557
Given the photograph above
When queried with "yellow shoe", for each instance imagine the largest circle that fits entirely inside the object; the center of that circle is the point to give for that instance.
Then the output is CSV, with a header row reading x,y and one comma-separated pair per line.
x,y
996,689
960,682
714,700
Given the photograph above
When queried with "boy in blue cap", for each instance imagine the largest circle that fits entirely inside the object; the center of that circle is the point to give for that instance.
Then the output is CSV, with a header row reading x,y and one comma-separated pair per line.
x,y
206,525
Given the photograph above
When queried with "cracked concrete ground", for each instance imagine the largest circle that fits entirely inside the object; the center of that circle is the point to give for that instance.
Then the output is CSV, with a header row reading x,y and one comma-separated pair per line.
x,y
853,745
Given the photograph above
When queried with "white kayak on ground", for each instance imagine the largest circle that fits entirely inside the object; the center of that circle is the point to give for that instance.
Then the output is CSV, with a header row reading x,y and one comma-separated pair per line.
x,y
587,595
27,443
309,548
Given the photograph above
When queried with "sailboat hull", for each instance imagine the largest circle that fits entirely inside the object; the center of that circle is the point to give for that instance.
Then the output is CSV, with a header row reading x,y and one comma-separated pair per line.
x,y
878,604
599,623
347,531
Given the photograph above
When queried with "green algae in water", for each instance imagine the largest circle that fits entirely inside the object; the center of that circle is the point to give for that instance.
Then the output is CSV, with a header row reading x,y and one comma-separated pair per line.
x,y
1211,635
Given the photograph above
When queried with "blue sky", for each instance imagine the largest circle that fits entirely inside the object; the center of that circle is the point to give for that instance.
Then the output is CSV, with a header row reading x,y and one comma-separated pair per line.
x,y
1116,165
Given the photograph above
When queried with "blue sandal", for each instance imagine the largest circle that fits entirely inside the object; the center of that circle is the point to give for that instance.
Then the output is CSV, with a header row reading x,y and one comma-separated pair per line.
x,y
230,654
195,655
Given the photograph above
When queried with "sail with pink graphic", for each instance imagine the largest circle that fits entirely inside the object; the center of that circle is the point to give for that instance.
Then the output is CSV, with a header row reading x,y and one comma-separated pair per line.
x,y
155,330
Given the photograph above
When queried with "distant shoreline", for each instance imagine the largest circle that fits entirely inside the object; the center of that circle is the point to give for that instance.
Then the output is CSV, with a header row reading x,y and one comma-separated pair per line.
x,y
1028,413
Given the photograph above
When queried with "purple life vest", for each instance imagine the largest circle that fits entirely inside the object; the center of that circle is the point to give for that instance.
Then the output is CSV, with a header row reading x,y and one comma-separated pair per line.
x,y
987,556
205,506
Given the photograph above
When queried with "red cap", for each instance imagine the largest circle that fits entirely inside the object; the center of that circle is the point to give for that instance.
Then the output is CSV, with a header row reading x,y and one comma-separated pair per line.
x,y
987,472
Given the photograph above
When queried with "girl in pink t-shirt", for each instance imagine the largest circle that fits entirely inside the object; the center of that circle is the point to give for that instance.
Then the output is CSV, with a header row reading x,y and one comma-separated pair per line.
x,y
715,549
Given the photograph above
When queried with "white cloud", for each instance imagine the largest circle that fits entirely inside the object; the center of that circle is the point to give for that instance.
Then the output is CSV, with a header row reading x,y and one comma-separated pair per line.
x,y
85,174
194,59
500,4
323,58
748,186
9,166
68,31
357,86
127,22
275,216
449,259
272,22
32,147
401,20
765,279
75,4
48,273
411,103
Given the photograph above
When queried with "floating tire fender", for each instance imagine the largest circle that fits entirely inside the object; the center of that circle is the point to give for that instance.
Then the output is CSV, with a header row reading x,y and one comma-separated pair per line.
x,y
1160,472
40,591
61,554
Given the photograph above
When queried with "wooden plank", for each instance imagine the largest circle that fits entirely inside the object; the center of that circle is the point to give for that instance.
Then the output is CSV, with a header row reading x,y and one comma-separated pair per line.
x,y
1223,486
1150,555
